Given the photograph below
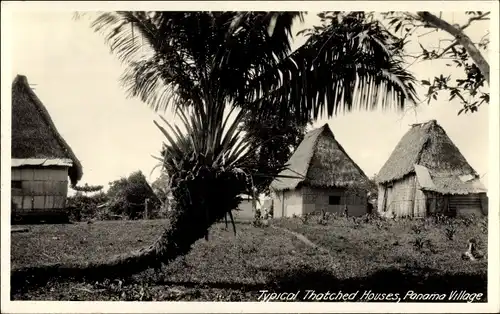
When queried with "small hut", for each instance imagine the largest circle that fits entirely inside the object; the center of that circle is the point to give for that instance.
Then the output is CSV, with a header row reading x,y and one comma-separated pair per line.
x,y
426,174
41,161
246,210
320,177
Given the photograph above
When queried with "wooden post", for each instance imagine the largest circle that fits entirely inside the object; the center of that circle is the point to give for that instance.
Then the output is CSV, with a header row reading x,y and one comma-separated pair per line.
x,y
146,209
283,204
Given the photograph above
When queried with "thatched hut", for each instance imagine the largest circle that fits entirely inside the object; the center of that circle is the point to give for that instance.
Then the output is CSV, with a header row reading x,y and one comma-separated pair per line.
x,y
320,177
427,174
42,161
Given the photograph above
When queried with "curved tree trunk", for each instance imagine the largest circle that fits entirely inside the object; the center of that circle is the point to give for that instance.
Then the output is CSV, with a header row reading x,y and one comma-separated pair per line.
x,y
188,222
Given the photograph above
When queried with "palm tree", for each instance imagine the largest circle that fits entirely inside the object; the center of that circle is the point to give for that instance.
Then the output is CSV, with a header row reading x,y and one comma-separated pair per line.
x,y
215,68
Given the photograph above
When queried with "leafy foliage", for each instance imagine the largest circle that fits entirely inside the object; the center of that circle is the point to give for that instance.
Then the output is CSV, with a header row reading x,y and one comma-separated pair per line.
x,y
87,188
214,156
127,196
235,57
450,231
347,63
279,138
469,88
161,187
85,207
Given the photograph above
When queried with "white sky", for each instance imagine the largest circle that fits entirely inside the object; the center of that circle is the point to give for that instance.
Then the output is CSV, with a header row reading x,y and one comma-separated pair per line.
x,y
77,79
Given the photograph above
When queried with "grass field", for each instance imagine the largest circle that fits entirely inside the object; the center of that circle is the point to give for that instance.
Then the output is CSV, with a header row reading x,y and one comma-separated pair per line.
x,y
353,255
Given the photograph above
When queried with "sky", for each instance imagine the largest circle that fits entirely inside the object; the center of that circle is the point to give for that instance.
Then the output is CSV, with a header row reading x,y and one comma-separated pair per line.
x,y
77,78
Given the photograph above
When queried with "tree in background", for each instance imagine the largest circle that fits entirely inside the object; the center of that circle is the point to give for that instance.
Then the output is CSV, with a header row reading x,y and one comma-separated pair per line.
x,y
127,196
455,46
87,188
279,135
161,188
217,67
83,206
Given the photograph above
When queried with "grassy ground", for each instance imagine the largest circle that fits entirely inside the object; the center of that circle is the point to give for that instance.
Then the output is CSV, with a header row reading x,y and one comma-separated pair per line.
x,y
371,245
47,243
377,256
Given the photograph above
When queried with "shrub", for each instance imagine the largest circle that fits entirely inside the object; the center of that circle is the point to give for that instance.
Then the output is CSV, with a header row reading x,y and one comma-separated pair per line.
x,y
323,218
483,224
305,218
441,219
450,231
127,197
85,207
271,210
418,228
468,220
371,217
257,219
420,244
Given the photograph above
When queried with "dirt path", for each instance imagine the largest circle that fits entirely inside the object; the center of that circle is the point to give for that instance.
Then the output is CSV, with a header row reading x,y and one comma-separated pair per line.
x,y
304,239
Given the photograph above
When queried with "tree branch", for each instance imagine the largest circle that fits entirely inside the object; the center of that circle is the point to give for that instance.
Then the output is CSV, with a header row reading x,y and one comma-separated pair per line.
x,y
461,38
446,49
474,18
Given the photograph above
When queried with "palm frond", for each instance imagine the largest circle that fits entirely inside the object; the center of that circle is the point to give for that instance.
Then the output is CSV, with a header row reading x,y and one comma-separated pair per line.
x,y
344,66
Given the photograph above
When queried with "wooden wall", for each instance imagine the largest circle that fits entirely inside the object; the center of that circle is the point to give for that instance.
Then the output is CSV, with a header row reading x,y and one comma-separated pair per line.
x,y
293,203
307,200
484,203
245,210
468,204
287,203
316,199
40,188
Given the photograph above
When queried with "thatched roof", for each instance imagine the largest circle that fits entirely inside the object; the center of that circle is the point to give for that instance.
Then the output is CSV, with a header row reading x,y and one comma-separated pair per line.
x,y
427,145
446,183
320,161
34,135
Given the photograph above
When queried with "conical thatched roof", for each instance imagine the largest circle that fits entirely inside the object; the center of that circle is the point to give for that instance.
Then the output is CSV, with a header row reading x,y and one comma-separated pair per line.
x,y
34,135
320,161
427,150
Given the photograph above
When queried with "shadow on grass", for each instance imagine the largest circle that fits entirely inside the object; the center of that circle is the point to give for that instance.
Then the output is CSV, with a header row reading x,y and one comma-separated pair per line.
x,y
391,280
40,220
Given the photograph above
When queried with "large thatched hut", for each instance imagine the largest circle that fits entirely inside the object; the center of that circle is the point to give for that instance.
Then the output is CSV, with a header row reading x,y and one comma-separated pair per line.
x,y
427,174
320,177
42,161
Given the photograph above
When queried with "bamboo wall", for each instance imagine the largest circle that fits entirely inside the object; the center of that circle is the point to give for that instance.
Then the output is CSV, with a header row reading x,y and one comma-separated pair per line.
x,y
420,203
401,199
39,189
405,199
